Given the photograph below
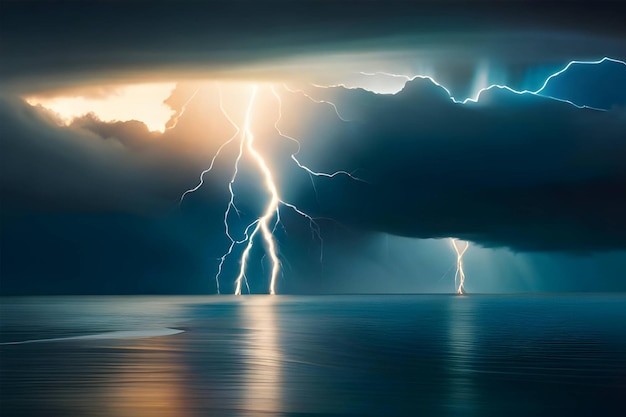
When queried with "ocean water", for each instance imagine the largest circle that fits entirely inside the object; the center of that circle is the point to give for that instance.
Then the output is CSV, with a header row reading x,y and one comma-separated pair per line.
x,y
374,355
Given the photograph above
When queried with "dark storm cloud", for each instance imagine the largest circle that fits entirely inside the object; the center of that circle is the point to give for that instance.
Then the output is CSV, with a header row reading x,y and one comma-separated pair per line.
x,y
50,42
43,162
523,171
102,166
526,172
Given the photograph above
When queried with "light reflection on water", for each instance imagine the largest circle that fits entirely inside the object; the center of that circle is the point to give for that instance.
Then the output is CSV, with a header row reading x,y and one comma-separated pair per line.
x,y
150,385
263,360
316,356
461,332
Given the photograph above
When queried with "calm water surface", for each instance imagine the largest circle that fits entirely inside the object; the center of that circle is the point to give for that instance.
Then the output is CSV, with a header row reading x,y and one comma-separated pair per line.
x,y
409,355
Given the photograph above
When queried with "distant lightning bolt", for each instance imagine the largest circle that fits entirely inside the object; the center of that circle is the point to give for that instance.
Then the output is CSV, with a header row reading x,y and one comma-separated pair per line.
x,y
459,275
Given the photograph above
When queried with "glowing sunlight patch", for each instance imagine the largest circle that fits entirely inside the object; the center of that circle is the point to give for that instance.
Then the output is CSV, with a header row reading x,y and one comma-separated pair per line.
x,y
142,102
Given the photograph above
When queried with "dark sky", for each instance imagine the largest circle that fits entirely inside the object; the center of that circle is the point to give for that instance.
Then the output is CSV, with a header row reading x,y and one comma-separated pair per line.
x,y
52,42
538,185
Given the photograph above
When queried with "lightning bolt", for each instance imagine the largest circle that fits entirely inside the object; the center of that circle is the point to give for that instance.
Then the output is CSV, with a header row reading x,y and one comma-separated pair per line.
x,y
265,226
459,275
271,210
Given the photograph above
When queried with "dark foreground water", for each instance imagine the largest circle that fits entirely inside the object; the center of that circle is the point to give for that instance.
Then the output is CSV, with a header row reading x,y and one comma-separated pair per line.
x,y
314,356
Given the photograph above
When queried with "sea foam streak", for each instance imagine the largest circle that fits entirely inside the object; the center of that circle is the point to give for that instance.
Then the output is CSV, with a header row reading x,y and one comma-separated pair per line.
x,y
125,334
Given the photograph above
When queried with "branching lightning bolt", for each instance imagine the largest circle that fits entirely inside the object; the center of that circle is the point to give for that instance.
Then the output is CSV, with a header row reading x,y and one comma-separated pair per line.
x,y
459,275
271,209
266,225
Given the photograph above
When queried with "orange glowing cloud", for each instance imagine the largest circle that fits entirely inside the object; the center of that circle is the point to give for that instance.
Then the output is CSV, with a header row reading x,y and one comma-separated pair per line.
x,y
142,102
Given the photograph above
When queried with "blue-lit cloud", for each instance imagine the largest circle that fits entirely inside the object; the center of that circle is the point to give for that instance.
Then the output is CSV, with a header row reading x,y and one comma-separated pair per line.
x,y
511,169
